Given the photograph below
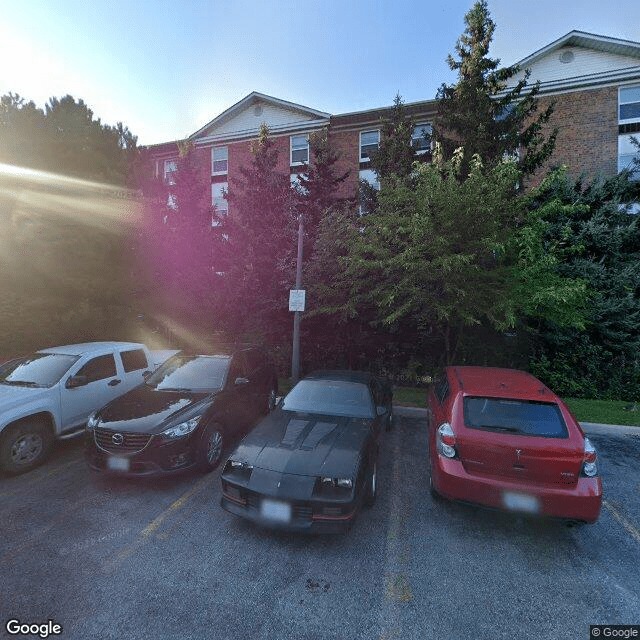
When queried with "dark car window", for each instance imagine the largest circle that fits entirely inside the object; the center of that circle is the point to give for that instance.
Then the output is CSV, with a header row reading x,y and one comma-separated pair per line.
x,y
38,369
523,417
134,360
330,397
191,373
99,368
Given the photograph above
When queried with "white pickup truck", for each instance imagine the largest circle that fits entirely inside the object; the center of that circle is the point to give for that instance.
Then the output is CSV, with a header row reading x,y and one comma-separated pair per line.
x,y
49,394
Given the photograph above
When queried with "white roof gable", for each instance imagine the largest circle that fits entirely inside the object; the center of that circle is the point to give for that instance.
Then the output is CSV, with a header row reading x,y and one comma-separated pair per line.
x,y
581,59
245,118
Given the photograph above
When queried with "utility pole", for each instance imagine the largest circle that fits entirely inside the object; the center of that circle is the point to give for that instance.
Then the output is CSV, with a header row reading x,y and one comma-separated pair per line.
x,y
295,356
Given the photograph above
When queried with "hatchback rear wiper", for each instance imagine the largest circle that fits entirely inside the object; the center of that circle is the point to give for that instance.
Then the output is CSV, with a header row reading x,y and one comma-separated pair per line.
x,y
497,428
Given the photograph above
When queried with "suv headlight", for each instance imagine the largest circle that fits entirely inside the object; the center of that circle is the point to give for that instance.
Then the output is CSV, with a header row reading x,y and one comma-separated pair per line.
x,y
181,430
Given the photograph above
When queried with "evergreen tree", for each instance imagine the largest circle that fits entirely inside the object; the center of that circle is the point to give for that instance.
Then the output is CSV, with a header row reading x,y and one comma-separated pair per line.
x,y
481,114
261,245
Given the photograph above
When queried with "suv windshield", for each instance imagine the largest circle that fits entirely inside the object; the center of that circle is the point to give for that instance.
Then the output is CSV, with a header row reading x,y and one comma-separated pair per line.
x,y
523,417
330,397
36,370
191,373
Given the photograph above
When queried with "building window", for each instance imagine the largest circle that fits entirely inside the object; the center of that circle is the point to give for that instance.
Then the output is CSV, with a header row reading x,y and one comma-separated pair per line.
x,y
421,138
369,141
170,167
219,161
628,126
371,177
219,201
296,185
299,149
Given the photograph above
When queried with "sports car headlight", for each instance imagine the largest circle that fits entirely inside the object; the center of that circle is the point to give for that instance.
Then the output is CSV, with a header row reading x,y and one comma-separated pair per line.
x,y
93,421
182,429
343,483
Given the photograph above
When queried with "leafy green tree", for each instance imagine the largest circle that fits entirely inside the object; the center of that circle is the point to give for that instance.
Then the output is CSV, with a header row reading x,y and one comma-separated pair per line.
x,y
65,138
482,113
599,239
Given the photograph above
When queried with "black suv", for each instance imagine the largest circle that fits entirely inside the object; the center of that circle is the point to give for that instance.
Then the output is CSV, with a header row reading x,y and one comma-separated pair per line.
x,y
183,414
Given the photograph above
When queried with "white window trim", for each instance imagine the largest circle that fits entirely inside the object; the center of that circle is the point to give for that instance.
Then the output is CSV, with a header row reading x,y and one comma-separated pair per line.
x,y
224,209
291,150
165,172
426,125
360,145
219,173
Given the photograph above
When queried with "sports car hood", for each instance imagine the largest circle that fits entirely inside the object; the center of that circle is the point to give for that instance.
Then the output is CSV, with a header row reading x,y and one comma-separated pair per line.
x,y
306,444
147,410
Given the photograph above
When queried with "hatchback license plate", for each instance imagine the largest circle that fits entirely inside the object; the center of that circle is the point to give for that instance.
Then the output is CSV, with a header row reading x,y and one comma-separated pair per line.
x,y
274,510
118,463
520,502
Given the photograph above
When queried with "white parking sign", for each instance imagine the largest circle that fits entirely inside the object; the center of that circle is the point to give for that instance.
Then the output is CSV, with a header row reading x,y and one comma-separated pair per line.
x,y
296,299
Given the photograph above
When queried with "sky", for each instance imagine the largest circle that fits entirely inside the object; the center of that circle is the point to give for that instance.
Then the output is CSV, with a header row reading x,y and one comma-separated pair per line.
x,y
166,68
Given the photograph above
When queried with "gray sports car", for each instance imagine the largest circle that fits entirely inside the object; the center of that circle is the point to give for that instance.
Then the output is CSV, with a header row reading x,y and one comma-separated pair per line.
x,y
313,462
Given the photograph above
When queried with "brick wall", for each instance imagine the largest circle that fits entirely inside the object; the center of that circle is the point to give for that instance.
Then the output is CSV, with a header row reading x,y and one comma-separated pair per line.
x,y
587,123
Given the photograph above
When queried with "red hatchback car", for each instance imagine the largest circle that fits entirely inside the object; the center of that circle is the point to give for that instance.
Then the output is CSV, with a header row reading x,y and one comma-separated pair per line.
x,y
500,438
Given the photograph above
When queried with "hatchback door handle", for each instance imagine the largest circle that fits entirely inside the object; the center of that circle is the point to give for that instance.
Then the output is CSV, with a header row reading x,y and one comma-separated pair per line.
x,y
113,383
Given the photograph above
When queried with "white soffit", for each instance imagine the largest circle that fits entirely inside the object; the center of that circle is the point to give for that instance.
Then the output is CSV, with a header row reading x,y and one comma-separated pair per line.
x,y
246,117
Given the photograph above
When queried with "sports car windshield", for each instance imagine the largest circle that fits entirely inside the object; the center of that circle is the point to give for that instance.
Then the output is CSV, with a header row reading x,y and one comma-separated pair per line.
x,y
36,370
190,373
515,416
330,397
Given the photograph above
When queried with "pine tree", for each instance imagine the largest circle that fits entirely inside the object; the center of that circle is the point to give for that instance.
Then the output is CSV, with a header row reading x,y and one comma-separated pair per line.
x,y
481,113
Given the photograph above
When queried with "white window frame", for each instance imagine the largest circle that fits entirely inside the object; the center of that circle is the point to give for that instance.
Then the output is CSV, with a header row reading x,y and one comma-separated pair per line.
x,y
224,151
626,151
415,138
298,147
363,133
220,203
168,173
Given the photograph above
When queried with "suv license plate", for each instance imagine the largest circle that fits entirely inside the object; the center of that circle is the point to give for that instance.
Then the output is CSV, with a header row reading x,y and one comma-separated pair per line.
x,y
274,510
118,463
520,502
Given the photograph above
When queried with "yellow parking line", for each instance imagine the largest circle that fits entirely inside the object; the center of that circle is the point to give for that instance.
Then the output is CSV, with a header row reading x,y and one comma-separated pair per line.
x,y
146,533
629,528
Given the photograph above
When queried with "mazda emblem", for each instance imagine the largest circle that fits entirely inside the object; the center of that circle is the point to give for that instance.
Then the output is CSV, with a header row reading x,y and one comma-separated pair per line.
x,y
117,438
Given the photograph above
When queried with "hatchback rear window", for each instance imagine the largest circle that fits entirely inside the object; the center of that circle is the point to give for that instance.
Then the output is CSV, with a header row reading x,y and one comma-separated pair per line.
x,y
522,417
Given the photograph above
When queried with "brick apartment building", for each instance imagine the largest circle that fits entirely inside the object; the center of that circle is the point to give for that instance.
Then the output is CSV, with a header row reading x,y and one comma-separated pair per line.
x,y
593,80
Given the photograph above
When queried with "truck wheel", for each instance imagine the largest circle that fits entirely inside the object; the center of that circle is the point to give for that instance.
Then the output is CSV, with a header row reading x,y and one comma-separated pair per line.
x,y
24,446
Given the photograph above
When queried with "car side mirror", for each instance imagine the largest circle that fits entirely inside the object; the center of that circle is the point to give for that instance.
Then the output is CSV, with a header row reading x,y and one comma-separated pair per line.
x,y
241,381
76,381
146,375
381,410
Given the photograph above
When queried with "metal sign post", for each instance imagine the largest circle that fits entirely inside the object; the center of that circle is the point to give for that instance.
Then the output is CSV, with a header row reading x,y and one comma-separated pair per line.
x,y
296,304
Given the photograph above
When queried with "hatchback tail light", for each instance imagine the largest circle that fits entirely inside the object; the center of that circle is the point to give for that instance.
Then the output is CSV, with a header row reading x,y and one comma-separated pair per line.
x,y
589,462
446,441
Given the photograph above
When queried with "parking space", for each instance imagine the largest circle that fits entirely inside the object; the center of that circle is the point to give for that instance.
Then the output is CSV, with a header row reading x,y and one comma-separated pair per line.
x,y
138,558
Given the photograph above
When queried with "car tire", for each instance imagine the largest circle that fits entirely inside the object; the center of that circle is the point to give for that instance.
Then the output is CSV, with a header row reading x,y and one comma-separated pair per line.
x,y
372,485
212,447
434,494
271,401
24,446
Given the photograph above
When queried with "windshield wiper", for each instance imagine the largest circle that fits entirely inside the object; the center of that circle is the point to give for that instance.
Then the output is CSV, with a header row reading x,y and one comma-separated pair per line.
x,y
21,383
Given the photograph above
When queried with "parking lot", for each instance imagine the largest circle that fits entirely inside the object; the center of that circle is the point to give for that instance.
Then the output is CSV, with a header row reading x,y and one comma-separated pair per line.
x,y
115,558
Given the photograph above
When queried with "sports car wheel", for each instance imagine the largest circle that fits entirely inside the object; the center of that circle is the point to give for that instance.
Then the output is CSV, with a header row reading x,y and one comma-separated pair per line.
x,y
271,401
24,446
372,485
212,447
